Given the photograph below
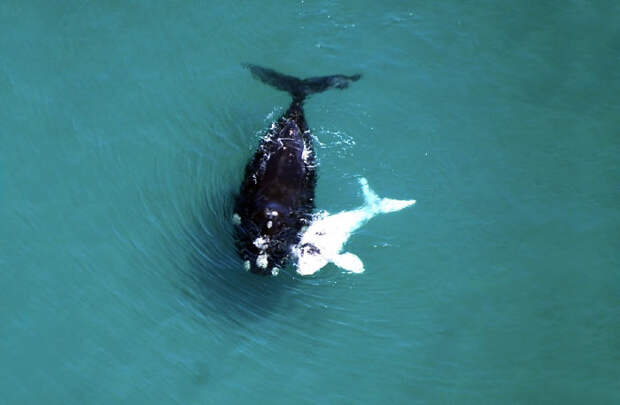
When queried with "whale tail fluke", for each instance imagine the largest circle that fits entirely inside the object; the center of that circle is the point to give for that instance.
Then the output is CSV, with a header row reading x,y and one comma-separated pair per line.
x,y
382,205
300,88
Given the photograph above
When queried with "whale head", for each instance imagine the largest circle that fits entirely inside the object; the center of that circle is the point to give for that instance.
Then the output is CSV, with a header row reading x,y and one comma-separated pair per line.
x,y
265,238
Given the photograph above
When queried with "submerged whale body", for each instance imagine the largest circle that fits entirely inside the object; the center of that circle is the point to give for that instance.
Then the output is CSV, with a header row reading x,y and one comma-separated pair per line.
x,y
276,198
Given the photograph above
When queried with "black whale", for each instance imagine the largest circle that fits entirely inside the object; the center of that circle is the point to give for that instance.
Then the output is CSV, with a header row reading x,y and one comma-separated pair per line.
x,y
276,198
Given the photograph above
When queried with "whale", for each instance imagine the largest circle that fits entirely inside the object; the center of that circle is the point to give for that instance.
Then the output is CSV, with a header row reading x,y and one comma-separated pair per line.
x,y
322,242
275,202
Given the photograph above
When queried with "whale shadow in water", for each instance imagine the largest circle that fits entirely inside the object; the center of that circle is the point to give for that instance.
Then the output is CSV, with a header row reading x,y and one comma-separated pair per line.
x,y
212,276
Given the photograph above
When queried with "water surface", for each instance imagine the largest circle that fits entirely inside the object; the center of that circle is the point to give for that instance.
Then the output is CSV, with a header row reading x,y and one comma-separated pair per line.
x,y
125,130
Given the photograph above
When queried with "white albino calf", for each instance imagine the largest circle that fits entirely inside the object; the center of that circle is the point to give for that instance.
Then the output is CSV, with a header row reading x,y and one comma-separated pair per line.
x,y
324,239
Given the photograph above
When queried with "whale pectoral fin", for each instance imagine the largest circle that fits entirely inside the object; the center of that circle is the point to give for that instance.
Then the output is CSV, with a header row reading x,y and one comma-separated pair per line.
x,y
310,264
349,262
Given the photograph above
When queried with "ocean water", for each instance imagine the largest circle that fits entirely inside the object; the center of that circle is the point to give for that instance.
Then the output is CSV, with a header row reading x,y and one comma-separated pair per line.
x,y
125,130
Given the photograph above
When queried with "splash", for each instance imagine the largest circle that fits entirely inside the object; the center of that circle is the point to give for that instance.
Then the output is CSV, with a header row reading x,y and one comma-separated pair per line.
x,y
324,239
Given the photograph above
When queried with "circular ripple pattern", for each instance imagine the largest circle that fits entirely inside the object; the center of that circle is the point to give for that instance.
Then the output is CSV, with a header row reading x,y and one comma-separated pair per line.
x,y
198,255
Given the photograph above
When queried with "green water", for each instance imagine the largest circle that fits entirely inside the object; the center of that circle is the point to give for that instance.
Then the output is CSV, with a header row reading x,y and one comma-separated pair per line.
x,y
126,127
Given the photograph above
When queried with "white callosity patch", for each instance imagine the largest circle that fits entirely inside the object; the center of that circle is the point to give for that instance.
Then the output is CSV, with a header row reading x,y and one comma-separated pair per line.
x,y
236,219
246,265
261,242
261,261
324,239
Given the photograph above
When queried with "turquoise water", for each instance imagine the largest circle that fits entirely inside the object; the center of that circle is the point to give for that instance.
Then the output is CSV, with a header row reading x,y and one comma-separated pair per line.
x,y
126,127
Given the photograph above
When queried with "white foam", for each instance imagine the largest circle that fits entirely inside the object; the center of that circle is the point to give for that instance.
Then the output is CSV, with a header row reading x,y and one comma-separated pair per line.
x,y
324,239
306,154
